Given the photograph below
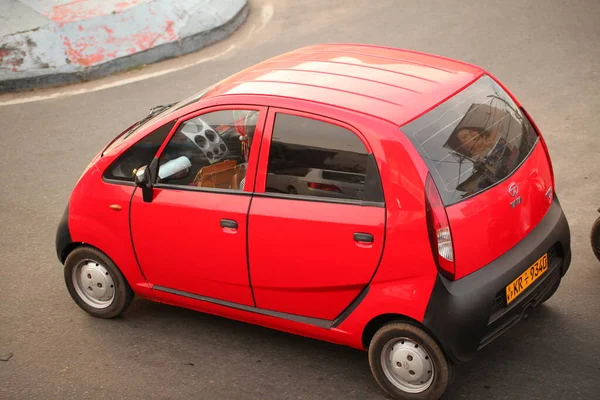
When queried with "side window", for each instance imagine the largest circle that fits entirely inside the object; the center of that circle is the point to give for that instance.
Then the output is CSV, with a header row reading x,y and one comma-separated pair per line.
x,y
210,151
314,158
141,153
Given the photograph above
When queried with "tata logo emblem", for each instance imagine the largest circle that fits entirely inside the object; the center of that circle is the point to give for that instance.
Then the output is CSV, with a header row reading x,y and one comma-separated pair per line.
x,y
513,190
516,202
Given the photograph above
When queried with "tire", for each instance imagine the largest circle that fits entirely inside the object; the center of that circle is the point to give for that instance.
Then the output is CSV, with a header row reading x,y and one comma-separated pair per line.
x,y
595,238
292,190
88,269
411,348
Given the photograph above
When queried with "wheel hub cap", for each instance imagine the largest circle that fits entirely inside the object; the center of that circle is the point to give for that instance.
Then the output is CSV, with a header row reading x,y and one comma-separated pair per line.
x,y
94,284
407,365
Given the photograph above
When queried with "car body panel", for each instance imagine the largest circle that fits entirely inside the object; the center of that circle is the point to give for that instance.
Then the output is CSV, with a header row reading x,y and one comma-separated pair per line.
x,y
508,219
303,256
187,249
392,84
93,222
410,294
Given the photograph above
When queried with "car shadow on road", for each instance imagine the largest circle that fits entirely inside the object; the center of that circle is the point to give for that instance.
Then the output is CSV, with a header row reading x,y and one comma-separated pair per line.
x,y
319,370
542,357
520,362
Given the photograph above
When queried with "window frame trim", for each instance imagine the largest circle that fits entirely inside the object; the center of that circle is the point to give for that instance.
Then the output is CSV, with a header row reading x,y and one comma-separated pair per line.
x,y
189,188
332,200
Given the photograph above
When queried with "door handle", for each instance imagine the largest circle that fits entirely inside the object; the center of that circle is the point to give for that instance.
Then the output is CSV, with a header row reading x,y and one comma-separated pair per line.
x,y
363,237
229,223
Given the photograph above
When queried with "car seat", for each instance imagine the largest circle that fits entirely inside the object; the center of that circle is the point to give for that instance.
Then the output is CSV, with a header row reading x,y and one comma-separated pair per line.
x,y
218,175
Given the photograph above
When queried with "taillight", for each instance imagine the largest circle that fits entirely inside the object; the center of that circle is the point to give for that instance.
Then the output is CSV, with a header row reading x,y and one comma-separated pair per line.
x,y
440,235
323,186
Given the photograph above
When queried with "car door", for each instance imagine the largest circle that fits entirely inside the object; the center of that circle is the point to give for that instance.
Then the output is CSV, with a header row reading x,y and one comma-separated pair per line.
x,y
313,247
191,237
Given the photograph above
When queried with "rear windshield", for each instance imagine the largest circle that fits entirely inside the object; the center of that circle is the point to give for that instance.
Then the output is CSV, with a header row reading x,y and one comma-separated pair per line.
x,y
473,140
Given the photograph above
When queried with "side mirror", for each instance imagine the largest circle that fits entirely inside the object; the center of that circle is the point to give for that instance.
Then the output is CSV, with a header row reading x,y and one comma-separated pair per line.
x,y
142,177
142,180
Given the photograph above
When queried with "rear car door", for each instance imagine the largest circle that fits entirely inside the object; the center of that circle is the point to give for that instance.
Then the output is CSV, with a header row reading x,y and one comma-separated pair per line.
x,y
316,224
191,237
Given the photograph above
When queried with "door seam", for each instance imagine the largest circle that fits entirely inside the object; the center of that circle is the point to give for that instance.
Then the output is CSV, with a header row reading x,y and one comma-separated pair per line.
x,y
131,236
248,248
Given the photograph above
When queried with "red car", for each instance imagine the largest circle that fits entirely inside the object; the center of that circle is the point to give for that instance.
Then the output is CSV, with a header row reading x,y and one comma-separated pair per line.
x,y
430,229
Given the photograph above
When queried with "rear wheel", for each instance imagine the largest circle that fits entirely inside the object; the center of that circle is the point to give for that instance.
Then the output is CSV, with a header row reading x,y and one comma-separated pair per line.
x,y
595,238
407,363
96,284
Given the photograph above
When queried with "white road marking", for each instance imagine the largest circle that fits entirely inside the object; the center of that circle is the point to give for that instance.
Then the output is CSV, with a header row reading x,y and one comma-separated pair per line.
x,y
121,82
266,14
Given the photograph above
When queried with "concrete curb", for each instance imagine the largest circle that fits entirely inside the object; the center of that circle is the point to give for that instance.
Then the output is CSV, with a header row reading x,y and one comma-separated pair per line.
x,y
210,29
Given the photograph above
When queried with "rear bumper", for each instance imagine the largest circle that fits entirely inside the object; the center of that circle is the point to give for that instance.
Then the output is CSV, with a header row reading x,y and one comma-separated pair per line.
x,y
467,314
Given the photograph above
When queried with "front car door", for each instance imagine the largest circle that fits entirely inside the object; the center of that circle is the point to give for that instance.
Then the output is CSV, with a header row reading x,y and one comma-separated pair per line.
x,y
191,237
316,222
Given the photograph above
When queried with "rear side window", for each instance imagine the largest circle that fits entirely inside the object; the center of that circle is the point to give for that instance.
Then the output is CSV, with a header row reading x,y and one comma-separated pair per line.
x,y
141,153
318,159
473,140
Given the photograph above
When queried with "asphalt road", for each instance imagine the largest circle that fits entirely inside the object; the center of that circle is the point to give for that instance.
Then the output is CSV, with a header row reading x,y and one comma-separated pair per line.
x,y
546,51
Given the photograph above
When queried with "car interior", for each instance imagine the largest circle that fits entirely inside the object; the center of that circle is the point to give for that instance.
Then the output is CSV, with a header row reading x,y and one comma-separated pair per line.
x,y
217,147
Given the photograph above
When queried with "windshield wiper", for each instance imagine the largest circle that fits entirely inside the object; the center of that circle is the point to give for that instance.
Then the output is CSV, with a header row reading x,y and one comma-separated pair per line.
x,y
156,109
153,112
126,133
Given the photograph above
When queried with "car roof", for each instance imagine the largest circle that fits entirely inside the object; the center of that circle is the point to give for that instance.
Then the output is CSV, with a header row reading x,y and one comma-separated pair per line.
x,y
393,84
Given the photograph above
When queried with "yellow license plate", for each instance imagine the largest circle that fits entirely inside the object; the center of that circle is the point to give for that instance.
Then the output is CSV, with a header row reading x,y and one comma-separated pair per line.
x,y
518,286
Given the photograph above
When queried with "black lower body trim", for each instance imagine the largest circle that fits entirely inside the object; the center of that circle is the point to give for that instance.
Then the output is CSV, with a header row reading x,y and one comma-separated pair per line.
x,y
321,323
519,312
346,313
63,236
468,314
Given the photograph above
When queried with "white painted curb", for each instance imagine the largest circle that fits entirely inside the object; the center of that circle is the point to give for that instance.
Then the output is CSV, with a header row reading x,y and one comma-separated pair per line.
x,y
97,37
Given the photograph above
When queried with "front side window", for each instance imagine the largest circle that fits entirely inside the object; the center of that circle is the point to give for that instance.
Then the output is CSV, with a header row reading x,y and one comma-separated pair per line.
x,y
473,140
141,153
210,151
308,157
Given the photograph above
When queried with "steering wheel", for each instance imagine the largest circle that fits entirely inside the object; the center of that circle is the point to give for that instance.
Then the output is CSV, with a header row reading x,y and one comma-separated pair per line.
x,y
208,141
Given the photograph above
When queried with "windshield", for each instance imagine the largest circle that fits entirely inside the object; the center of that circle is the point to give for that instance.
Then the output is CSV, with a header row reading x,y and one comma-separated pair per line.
x,y
473,140
156,113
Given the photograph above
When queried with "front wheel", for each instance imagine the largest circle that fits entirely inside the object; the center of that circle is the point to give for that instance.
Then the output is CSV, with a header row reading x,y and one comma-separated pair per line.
x,y
96,284
595,238
407,363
